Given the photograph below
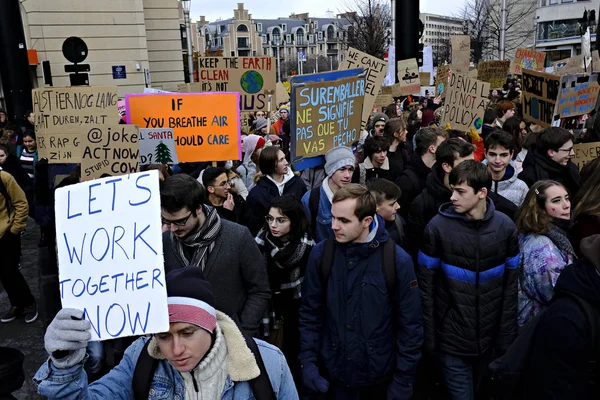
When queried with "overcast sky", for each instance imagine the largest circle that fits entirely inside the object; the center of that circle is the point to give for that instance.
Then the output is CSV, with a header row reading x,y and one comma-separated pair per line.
x,y
277,8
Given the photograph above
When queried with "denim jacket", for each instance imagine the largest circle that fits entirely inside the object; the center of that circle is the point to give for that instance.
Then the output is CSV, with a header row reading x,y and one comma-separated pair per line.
x,y
71,383
323,221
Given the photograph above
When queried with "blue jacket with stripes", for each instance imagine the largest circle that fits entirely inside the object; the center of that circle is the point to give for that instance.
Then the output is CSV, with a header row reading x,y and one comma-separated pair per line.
x,y
468,274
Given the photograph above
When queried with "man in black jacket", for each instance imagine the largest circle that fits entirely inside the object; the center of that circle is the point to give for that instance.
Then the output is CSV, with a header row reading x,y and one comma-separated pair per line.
x,y
564,361
468,274
229,205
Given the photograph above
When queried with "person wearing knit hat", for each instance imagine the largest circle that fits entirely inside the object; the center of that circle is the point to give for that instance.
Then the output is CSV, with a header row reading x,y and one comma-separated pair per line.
x,y
203,355
379,121
259,126
284,115
339,167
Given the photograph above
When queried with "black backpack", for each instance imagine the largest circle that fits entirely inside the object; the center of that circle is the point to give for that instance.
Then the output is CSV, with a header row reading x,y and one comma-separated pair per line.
x,y
146,367
508,372
313,206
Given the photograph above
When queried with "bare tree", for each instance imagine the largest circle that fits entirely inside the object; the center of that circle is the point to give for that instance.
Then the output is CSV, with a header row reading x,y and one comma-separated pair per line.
x,y
370,26
476,14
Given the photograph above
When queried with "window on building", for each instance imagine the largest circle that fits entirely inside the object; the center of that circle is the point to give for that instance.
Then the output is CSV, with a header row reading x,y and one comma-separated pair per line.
x,y
316,25
259,27
264,38
243,43
320,35
311,38
330,32
300,37
288,38
284,27
242,28
553,2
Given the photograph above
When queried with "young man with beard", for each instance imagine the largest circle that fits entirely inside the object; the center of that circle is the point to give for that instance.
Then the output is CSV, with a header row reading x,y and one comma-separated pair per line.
x,y
195,236
468,274
230,206
499,151
359,339
339,167
550,158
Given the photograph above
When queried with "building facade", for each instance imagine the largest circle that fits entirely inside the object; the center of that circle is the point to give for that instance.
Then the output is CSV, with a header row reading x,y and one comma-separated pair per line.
x,y
437,30
141,35
558,27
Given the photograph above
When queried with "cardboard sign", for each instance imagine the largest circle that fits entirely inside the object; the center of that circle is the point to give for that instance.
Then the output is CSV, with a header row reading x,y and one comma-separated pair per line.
x,y
528,59
493,72
585,152
408,77
443,72
384,98
578,95
424,78
206,125
281,94
540,91
461,53
110,255
428,91
253,77
328,114
375,71
157,146
466,101
64,115
575,65
110,149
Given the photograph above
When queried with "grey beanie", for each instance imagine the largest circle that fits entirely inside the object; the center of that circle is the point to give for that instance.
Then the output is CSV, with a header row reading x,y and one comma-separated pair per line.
x,y
337,158
380,117
260,123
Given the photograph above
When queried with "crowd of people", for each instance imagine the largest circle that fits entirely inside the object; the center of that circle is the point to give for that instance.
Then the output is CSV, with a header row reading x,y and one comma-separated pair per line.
x,y
407,266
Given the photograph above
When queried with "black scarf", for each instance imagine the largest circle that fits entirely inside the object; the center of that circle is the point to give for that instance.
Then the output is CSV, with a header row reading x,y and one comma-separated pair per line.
x,y
558,235
201,242
546,168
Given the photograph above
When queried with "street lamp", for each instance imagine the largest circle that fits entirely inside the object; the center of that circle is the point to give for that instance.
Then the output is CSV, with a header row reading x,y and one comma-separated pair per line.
x,y
187,4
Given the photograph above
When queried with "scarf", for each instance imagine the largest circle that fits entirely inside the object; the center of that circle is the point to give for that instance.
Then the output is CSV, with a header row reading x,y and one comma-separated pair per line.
x,y
287,257
558,235
202,242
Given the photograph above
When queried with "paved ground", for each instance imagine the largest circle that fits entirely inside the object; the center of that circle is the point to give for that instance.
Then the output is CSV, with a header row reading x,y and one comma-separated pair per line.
x,y
28,338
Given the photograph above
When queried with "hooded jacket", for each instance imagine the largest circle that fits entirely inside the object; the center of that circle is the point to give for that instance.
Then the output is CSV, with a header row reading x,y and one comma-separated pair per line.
x,y
238,367
559,365
412,182
537,167
247,169
350,332
367,171
510,186
468,271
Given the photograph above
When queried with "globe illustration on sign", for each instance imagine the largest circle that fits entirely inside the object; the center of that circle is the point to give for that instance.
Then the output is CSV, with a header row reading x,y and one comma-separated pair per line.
x,y
252,82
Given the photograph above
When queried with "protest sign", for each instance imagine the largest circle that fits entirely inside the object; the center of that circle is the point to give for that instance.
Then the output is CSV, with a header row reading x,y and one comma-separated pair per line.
x,y
328,114
206,125
281,94
155,91
384,98
575,65
528,59
157,146
427,91
428,64
585,152
110,255
64,115
461,53
245,123
408,77
493,72
390,76
375,71
540,91
253,77
424,78
578,95
109,149
466,101
441,81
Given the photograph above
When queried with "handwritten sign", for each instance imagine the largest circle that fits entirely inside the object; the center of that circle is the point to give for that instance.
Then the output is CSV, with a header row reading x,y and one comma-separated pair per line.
x,y
443,72
375,71
461,53
585,152
528,59
408,77
111,150
465,102
578,95
63,116
157,146
540,91
575,65
206,125
493,72
425,78
252,77
110,256
384,98
328,114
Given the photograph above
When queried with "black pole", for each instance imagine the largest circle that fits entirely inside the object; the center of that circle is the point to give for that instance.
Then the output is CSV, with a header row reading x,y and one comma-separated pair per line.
x,y
407,29
14,65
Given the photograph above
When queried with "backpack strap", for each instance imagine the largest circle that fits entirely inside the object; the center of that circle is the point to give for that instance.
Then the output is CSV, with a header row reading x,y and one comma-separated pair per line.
x,y
261,385
313,207
143,374
389,267
327,263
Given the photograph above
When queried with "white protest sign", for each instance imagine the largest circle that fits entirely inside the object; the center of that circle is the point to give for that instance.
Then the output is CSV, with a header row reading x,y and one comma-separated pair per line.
x,y
110,255
155,91
157,146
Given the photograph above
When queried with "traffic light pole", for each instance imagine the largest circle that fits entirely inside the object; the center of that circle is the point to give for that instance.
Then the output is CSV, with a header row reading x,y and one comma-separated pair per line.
x,y
407,29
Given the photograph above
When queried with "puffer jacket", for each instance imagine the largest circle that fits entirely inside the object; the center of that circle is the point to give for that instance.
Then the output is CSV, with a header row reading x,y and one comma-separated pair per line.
x,y
468,272
510,186
355,334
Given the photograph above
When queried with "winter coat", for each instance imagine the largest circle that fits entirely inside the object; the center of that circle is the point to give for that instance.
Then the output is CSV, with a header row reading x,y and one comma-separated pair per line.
x,y
468,271
367,171
510,187
14,221
167,382
354,333
537,167
247,170
322,230
400,158
412,182
562,348
584,226
236,270
542,262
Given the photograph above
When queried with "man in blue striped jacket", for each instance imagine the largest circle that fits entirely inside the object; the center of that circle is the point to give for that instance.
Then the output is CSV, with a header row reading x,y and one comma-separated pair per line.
x,y
468,274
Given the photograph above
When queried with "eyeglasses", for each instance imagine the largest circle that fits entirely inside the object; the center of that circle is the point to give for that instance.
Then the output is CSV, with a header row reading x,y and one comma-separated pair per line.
x,y
177,222
224,184
279,220
569,150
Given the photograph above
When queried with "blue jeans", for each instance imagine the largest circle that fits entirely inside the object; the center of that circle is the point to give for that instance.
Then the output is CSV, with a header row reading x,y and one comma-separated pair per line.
x,y
93,364
462,375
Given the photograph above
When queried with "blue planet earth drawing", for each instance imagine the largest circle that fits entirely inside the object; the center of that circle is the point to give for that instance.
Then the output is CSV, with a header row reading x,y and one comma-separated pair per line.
x,y
478,123
252,82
